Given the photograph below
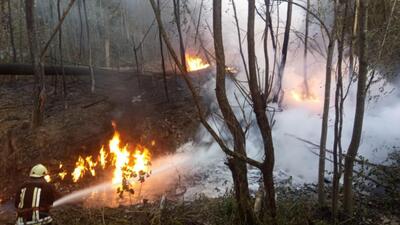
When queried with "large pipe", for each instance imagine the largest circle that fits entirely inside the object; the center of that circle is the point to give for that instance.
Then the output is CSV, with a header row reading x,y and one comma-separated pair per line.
x,y
27,69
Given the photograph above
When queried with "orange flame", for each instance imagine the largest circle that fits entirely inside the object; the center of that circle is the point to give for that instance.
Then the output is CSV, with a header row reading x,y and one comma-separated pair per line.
x,y
79,170
102,157
63,173
304,97
125,164
195,63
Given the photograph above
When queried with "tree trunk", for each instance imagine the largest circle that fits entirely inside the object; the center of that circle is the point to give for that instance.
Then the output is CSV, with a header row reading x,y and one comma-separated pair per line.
x,y
107,52
360,106
10,26
239,38
177,14
325,116
90,48
64,87
268,82
162,58
279,93
259,107
305,81
39,88
21,24
238,168
339,102
80,28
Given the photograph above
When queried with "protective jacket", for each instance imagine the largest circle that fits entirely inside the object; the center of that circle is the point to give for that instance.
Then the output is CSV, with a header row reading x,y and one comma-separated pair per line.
x,y
33,201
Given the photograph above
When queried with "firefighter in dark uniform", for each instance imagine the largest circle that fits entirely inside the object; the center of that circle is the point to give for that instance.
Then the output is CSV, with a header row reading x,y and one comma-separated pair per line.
x,y
34,198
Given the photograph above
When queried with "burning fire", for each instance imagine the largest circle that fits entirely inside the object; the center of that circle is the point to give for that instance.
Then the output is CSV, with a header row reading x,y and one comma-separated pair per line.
x,y
62,172
126,164
303,97
195,63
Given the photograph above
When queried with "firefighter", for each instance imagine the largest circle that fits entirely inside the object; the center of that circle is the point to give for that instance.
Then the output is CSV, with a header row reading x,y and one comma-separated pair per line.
x,y
34,199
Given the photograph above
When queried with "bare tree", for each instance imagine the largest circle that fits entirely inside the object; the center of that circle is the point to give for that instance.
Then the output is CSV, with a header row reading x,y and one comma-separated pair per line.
x,y
80,28
162,57
239,38
259,108
360,107
11,29
60,49
177,14
305,77
268,80
90,48
39,84
238,168
325,114
339,103
278,97
240,178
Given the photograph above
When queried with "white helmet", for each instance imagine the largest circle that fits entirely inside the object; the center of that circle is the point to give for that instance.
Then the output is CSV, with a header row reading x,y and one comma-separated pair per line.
x,y
38,171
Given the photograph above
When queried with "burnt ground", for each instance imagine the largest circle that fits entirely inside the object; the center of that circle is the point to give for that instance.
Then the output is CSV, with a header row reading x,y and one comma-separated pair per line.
x,y
82,123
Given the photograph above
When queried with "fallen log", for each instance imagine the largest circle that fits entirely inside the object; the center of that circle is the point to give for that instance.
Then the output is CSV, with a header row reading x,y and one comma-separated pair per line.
x,y
27,69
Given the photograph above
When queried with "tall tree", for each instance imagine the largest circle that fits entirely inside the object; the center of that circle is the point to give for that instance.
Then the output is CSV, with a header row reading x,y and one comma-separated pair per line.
x,y
268,81
339,103
11,29
259,108
238,168
93,81
80,28
177,13
162,57
60,49
278,97
360,107
39,83
325,114
305,77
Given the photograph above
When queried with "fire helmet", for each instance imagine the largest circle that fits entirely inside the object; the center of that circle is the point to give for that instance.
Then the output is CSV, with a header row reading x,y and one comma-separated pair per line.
x,y
38,171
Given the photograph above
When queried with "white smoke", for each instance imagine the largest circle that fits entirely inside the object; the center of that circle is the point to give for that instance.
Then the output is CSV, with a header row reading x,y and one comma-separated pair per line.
x,y
293,157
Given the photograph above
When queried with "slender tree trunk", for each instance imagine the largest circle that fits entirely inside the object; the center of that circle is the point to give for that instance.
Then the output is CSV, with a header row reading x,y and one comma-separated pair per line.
x,y
142,65
325,116
162,58
107,52
39,88
305,81
64,87
21,24
10,26
177,14
238,168
198,22
259,107
266,57
136,60
339,100
279,93
90,48
239,39
80,28
360,107
53,52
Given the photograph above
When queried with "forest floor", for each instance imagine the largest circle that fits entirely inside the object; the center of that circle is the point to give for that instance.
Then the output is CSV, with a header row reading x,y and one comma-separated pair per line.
x,y
142,114
81,123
